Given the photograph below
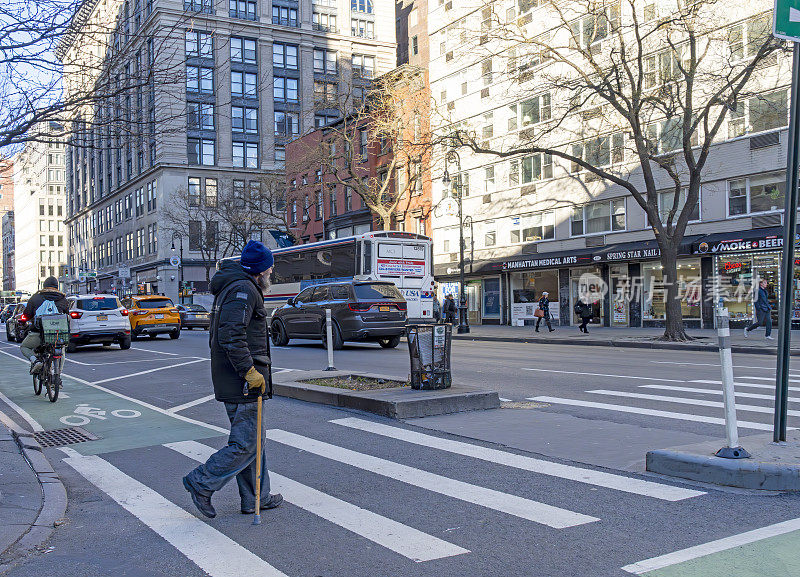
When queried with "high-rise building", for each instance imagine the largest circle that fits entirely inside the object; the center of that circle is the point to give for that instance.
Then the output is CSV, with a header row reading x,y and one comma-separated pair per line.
x,y
6,199
7,229
216,90
40,248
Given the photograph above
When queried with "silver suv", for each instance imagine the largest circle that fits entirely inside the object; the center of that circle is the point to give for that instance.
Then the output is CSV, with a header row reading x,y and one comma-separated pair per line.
x,y
98,319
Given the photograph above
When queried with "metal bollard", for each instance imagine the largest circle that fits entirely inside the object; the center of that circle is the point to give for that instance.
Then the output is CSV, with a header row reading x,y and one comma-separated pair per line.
x,y
732,450
329,334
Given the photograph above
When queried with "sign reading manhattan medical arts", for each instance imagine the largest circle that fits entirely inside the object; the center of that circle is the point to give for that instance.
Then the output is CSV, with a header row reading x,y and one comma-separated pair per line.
x,y
545,262
401,267
786,20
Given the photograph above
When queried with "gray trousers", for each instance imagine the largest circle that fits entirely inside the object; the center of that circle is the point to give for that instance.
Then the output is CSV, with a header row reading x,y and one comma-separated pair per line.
x,y
30,343
763,319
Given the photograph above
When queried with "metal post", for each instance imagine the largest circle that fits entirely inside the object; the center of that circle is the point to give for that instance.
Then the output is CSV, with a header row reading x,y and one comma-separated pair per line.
x,y
786,297
329,334
463,324
732,450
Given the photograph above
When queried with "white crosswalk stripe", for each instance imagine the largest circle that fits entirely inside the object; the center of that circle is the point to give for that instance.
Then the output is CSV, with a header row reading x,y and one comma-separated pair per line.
x,y
393,535
648,412
507,503
742,384
580,474
718,392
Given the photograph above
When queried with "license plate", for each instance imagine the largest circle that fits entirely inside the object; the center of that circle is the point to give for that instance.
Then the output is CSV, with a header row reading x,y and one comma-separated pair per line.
x,y
159,316
385,309
157,326
190,316
102,317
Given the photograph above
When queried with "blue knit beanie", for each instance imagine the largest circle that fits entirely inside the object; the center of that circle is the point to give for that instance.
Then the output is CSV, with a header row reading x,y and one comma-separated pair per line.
x,y
256,258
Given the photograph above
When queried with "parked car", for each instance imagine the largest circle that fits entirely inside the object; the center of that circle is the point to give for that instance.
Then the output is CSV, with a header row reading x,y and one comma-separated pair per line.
x,y
6,312
153,315
194,316
361,311
98,319
17,323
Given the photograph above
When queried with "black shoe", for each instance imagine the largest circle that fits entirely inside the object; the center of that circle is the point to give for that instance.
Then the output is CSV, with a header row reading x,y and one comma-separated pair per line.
x,y
551,330
271,503
202,502
537,330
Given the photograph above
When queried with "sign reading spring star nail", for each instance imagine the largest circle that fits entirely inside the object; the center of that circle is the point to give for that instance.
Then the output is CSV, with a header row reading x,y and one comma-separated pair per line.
x,y
786,20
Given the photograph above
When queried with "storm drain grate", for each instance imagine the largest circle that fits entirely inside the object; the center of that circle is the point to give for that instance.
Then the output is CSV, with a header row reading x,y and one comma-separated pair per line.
x,y
61,437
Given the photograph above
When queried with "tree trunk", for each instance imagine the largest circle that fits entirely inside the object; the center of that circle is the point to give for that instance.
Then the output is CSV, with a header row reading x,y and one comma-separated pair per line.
x,y
387,222
674,329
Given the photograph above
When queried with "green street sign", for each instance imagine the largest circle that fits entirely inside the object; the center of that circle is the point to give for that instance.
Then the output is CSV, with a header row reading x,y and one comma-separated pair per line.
x,y
786,20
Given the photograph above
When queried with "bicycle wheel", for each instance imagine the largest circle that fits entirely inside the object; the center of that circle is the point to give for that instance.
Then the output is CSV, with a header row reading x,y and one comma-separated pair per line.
x,y
55,386
50,380
37,385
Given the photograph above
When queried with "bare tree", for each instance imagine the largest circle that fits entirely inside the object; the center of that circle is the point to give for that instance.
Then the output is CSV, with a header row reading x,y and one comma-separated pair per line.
x,y
378,119
624,95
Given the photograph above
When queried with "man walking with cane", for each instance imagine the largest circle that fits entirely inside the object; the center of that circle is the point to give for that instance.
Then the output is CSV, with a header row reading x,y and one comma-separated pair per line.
x,y
240,366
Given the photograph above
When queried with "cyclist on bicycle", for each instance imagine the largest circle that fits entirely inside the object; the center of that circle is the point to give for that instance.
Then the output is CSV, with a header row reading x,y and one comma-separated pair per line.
x,y
33,339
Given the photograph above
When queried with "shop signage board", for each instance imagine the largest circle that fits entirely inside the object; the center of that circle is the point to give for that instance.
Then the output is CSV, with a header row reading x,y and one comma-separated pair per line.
x,y
546,262
636,254
786,20
175,260
124,271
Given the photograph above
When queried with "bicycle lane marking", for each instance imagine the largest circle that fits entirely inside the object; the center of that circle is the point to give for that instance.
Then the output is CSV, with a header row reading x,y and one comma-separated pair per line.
x,y
120,421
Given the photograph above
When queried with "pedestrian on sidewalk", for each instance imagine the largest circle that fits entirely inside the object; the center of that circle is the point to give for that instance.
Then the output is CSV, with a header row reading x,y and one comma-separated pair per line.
x,y
449,309
239,343
584,310
763,312
544,306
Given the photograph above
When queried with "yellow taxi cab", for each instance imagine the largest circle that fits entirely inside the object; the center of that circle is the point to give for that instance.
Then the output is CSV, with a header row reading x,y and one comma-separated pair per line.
x,y
153,315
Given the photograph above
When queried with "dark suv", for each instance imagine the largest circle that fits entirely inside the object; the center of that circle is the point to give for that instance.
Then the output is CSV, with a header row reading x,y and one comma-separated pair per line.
x,y
361,311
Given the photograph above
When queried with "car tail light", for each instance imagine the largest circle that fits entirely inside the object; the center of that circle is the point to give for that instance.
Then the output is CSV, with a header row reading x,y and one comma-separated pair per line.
x,y
401,306
98,298
23,318
124,312
139,312
359,307
75,314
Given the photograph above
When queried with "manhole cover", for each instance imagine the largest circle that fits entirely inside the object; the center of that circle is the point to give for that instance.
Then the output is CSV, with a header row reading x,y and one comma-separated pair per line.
x,y
61,437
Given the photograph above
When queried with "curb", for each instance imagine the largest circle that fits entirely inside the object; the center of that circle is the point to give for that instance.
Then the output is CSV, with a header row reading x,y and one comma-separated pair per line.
x,y
741,473
54,502
626,344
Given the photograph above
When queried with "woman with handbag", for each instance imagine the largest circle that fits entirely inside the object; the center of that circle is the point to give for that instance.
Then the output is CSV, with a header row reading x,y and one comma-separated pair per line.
x,y
543,312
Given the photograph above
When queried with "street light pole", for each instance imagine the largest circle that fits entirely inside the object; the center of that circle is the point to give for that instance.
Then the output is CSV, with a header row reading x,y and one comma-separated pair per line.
x,y
463,321
180,267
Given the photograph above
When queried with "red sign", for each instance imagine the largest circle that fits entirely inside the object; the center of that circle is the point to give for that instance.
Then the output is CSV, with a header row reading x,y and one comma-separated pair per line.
x,y
732,266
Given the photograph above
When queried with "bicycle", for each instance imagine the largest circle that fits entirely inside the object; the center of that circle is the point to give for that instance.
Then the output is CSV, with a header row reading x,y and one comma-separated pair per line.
x,y
55,336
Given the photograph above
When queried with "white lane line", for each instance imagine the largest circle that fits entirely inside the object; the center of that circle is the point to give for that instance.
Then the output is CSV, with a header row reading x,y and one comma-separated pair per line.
x,y
199,401
473,494
580,474
605,375
738,384
22,412
649,412
739,394
209,549
772,368
711,547
395,536
156,352
767,379
11,423
503,400
687,401
197,360
127,362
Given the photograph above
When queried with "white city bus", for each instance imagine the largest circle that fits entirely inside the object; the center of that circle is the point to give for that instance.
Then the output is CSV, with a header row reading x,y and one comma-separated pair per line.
x,y
404,258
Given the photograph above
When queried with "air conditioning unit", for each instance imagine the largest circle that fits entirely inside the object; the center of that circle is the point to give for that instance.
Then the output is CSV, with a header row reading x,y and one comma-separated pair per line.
x,y
765,140
595,241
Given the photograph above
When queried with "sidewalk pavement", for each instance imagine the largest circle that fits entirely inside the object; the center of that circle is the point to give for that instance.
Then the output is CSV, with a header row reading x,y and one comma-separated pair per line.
x,y
705,339
32,498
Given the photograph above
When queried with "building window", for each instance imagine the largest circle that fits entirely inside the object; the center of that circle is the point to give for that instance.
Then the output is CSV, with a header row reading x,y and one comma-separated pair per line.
x,y
363,139
284,56
533,227
284,16
151,197
201,116
414,50
245,154
200,79
535,167
600,151
285,89
195,231
594,28
759,113
535,110
287,123
245,9
324,22
211,192
280,153
325,61
319,206
201,151
361,6
666,200
348,199
199,44
325,93
293,214
194,191
363,65
243,50
244,119
759,193
332,199
597,217
362,28
190,5
244,84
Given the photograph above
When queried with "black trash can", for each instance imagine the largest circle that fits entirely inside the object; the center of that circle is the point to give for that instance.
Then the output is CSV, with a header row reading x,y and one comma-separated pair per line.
x,y
429,347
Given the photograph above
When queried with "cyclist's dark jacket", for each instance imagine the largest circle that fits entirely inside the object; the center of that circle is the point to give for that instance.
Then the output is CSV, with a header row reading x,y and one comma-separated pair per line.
x,y
46,294
238,333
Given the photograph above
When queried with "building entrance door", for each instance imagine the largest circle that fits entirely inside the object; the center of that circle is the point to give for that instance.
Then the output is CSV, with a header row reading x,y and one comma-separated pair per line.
x,y
619,293
587,282
474,302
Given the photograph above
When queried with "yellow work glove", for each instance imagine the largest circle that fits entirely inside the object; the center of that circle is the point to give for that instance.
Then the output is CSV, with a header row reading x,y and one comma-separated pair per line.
x,y
255,380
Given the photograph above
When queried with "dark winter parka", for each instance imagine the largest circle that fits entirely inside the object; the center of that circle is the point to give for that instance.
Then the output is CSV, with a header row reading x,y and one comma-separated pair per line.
x,y
584,310
238,337
46,294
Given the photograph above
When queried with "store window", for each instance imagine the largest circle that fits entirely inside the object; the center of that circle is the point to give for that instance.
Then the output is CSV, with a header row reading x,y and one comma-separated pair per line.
x,y
527,289
491,298
738,273
655,289
760,193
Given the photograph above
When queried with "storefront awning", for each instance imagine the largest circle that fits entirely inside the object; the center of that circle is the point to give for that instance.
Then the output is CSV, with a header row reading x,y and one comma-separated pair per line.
x,y
744,240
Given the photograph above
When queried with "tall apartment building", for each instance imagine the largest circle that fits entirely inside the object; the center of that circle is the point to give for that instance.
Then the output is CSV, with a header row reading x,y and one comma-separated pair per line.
x,y
6,200
238,83
7,230
40,247
537,223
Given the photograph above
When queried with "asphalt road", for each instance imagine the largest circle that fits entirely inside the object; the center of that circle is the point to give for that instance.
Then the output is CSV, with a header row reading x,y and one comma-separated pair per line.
x,y
365,500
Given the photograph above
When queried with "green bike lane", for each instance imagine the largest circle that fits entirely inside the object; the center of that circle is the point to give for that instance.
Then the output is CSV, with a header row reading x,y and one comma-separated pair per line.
x,y
119,421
